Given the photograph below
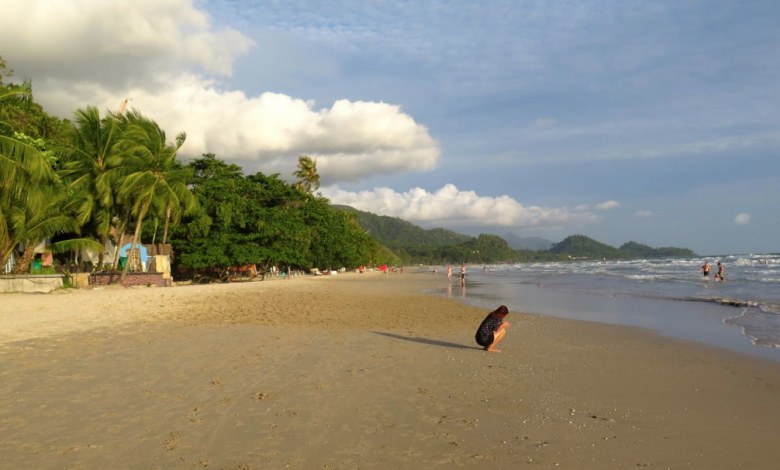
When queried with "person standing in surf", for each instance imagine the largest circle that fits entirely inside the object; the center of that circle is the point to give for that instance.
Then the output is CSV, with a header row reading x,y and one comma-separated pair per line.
x,y
449,273
492,329
706,270
721,271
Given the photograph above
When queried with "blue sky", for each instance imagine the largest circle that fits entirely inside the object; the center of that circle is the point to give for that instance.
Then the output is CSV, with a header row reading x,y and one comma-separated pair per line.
x,y
669,108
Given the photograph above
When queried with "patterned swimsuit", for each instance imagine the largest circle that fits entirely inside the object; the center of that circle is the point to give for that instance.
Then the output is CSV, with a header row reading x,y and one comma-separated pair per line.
x,y
485,331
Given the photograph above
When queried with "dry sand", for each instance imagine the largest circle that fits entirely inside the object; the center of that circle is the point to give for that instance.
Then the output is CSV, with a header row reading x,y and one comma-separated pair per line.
x,y
360,372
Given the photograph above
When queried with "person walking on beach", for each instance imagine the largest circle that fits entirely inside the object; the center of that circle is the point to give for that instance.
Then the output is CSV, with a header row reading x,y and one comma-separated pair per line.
x,y
449,273
721,270
706,270
492,329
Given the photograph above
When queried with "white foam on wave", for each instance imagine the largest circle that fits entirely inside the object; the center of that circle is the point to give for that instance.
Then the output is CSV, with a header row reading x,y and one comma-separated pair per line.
x,y
761,332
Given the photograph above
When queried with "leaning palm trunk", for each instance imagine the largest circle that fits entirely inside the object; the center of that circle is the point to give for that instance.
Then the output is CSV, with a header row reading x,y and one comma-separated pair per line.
x,y
121,241
5,254
117,250
167,224
136,235
101,256
23,265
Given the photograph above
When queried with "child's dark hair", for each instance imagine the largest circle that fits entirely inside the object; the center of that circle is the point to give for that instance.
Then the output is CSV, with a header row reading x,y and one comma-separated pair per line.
x,y
500,312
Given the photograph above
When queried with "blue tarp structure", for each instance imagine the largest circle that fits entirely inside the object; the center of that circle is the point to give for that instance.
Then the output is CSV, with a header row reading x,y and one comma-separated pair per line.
x,y
123,251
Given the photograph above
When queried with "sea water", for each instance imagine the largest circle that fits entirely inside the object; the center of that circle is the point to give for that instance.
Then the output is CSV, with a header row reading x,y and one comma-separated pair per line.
x,y
666,295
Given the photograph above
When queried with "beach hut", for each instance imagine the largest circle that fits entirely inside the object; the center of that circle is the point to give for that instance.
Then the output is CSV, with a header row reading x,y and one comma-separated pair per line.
x,y
93,256
143,256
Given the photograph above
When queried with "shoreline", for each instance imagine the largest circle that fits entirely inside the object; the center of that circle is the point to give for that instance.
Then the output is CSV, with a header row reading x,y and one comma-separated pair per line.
x,y
367,372
701,322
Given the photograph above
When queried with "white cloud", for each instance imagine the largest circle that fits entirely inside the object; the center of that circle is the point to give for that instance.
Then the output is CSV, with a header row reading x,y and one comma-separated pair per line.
x,y
83,52
606,205
454,207
644,214
122,38
742,219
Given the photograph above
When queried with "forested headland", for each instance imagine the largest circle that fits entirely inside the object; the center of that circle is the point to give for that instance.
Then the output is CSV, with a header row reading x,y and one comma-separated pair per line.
x,y
100,175
415,245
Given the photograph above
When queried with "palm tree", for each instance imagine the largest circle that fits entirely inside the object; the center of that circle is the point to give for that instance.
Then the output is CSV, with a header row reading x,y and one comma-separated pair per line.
x,y
153,174
93,165
308,179
22,169
33,205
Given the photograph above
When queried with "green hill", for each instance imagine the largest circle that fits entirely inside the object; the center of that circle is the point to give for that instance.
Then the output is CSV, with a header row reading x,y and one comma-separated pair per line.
x,y
581,246
411,244
639,250
527,243
394,232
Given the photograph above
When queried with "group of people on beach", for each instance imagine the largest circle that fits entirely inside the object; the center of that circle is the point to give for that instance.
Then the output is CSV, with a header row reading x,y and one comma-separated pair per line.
x,y
706,270
461,275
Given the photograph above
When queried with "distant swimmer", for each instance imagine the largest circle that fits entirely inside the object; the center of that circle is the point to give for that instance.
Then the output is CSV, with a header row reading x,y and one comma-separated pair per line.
x,y
706,270
721,270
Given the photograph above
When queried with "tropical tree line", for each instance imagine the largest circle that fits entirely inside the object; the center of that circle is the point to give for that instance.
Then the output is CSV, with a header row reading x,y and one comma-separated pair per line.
x,y
79,181
260,219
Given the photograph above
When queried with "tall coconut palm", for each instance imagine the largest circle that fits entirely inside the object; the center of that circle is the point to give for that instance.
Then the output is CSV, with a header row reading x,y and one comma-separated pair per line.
x,y
308,179
152,173
33,205
93,164
50,213
22,169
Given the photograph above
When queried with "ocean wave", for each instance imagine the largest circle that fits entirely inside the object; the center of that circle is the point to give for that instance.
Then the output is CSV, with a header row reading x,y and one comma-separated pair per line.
x,y
760,328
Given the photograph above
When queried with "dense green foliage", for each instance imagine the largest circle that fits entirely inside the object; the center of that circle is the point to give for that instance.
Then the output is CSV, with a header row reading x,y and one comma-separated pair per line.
x,y
101,175
261,219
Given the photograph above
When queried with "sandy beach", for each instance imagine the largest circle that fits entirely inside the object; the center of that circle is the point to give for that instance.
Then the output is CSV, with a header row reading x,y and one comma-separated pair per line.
x,y
360,372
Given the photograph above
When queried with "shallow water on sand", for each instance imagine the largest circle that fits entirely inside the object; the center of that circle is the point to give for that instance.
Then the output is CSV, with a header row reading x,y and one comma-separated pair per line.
x,y
667,296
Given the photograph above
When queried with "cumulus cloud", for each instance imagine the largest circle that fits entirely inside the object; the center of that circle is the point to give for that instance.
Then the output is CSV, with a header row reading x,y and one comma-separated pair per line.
x,y
742,219
606,205
350,140
455,207
124,38
156,52
644,214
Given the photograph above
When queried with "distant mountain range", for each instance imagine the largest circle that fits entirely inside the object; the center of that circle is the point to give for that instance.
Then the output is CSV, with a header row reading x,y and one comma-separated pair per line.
x,y
411,244
528,243
393,232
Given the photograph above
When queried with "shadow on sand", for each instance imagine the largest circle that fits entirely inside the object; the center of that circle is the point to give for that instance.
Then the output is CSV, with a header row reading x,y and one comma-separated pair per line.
x,y
432,342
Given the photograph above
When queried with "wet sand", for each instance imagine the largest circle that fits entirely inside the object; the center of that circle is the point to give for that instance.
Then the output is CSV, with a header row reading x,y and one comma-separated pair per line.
x,y
360,372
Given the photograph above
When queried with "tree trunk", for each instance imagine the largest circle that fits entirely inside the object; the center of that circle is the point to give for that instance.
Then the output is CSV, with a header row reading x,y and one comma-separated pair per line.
x,y
5,255
23,265
137,233
117,250
165,231
121,240
101,257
